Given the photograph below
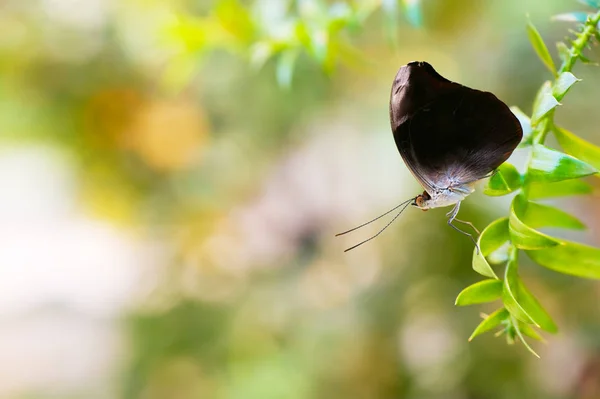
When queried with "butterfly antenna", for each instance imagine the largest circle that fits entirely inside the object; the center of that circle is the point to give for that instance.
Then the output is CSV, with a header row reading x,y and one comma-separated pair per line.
x,y
380,231
378,217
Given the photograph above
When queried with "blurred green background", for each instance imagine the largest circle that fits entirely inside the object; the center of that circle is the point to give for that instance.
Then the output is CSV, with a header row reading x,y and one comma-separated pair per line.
x,y
172,174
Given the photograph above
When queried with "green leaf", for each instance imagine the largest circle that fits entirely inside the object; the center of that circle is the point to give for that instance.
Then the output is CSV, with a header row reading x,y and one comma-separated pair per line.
x,y
523,341
544,103
539,215
481,292
540,48
525,125
510,294
559,189
490,322
505,180
570,258
548,165
494,236
535,310
578,147
563,84
521,303
523,236
529,331
578,16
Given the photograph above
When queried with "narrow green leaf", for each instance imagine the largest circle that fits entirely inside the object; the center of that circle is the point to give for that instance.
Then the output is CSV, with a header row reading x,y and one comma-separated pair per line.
x,y
525,125
578,147
522,304
577,16
523,341
540,48
559,189
570,258
523,236
548,165
510,292
563,84
534,309
505,180
481,292
530,332
539,215
545,102
490,322
494,236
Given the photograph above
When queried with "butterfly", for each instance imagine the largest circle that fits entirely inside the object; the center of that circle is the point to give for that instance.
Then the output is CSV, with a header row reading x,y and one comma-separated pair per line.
x,y
450,136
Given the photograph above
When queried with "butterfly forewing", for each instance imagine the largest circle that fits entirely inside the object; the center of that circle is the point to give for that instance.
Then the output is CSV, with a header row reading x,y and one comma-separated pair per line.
x,y
449,132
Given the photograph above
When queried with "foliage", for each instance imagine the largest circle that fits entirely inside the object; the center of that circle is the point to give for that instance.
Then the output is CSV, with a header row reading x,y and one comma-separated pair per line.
x,y
316,29
548,173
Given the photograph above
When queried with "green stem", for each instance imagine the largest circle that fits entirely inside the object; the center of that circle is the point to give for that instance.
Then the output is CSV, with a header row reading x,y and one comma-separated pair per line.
x,y
589,29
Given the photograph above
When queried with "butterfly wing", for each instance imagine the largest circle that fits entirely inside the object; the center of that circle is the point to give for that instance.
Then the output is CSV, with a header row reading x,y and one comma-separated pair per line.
x,y
448,133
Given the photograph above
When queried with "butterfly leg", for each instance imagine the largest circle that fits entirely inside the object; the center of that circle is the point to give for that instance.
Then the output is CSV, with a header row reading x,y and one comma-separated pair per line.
x,y
452,217
468,223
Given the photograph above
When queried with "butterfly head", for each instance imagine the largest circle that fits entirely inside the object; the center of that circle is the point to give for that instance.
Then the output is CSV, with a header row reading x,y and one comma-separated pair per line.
x,y
421,201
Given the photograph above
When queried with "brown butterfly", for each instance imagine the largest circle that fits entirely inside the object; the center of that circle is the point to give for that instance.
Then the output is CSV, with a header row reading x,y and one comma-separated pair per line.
x,y
450,136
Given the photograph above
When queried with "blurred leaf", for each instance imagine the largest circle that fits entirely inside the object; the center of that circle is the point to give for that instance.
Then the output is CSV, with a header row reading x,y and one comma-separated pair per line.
x,y
236,20
544,103
505,180
578,147
540,48
563,84
481,292
558,189
523,236
539,215
285,67
490,322
563,51
523,341
412,10
525,125
260,54
522,304
570,258
591,3
577,16
548,165
390,11
491,238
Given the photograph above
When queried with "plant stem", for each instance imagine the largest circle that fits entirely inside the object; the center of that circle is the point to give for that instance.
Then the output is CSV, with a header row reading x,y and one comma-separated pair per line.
x,y
588,30
590,27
